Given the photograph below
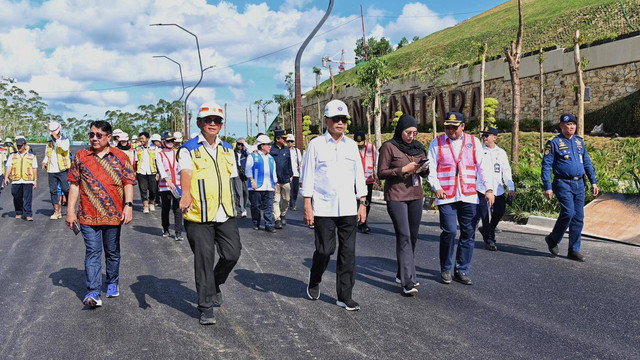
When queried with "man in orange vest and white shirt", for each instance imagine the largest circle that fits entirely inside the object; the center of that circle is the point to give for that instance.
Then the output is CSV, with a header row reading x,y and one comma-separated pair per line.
x,y
369,157
22,171
455,165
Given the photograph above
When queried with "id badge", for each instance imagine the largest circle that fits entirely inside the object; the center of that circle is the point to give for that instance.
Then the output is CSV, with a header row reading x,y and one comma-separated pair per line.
x,y
496,168
416,180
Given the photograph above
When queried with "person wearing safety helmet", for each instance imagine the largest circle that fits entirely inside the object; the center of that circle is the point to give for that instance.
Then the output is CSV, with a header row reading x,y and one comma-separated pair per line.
x,y
115,136
169,185
3,159
22,172
126,147
134,141
156,140
146,172
261,181
177,139
207,165
57,161
8,143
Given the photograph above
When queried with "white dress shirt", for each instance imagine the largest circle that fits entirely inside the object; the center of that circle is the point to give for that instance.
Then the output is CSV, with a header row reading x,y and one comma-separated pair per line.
x,y
498,170
186,163
145,164
432,154
332,176
52,164
22,181
296,161
268,176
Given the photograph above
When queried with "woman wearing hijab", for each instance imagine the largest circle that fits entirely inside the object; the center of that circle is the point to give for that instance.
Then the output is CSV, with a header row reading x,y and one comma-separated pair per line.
x,y
401,164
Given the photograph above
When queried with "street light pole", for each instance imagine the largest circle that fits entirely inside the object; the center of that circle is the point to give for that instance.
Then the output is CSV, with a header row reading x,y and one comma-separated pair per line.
x,y
186,107
298,132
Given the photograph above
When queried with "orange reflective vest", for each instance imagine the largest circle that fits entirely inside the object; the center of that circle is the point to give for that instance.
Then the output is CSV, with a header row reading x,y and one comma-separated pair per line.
x,y
368,162
454,172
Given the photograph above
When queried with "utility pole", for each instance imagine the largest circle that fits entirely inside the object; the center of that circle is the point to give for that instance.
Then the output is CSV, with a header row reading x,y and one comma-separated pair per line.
x,y
249,126
246,112
226,117
364,35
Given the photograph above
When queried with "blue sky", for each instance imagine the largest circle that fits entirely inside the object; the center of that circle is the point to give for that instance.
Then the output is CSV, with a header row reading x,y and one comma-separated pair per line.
x,y
90,58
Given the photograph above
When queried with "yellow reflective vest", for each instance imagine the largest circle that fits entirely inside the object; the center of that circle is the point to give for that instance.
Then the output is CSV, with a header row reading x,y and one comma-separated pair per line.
x,y
210,181
152,158
22,167
64,159
3,159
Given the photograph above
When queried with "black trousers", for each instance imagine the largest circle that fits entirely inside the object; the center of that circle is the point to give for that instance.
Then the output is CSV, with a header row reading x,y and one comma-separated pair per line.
x,y
203,238
170,203
497,211
326,229
406,216
295,189
369,196
148,187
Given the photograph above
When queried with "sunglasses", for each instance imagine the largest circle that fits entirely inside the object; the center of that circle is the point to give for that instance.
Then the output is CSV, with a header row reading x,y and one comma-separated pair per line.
x,y
290,141
337,119
215,120
96,135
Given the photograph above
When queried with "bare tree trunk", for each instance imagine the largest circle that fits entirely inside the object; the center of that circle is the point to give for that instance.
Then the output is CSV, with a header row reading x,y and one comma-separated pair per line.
x,y
482,70
265,120
258,119
513,58
318,99
377,110
249,126
541,62
578,61
368,114
333,83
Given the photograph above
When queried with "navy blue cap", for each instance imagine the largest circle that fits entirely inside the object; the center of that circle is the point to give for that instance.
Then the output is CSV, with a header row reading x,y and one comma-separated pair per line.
x,y
490,130
278,133
21,141
453,118
567,118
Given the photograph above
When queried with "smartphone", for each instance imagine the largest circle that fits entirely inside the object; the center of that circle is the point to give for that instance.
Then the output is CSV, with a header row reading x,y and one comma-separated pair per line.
x,y
75,227
422,161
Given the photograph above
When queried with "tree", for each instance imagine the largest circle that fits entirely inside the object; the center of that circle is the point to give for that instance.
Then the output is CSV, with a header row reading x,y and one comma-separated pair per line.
x,y
415,38
403,42
370,78
489,110
289,81
541,59
513,55
375,48
283,103
579,72
317,71
482,54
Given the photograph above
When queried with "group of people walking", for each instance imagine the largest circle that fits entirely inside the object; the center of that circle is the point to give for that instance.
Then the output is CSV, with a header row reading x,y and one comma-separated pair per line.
x,y
208,184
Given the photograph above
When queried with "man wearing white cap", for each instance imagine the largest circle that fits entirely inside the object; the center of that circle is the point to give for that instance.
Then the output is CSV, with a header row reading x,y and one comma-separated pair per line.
x,y
177,138
332,182
261,181
57,161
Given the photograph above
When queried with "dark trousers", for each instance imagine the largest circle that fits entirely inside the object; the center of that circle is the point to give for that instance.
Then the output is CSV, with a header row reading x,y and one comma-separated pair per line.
x,y
22,199
325,234
452,215
95,239
488,230
148,187
240,193
1,181
203,238
170,203
262,200
54,180
369,196
406,216
295,189
570,194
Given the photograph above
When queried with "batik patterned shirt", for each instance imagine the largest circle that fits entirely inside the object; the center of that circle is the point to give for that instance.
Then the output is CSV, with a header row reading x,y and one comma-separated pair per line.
x,y
101,183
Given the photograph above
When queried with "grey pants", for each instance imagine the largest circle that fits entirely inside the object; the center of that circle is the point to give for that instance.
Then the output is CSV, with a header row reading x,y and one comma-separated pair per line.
x,y
406,216
240,192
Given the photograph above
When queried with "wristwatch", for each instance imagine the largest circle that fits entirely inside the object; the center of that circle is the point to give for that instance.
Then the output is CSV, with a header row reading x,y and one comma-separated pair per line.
x,y
364,203
128,203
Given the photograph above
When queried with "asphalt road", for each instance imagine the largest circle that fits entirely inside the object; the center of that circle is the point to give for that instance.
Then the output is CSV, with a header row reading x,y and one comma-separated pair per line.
x,y
523,303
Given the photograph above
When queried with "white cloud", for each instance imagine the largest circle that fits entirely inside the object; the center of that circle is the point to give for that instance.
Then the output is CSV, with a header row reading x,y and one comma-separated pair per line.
x,y
417,19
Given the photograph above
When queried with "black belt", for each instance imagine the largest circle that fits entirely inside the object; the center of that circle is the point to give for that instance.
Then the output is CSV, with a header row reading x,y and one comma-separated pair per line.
x,y
569,178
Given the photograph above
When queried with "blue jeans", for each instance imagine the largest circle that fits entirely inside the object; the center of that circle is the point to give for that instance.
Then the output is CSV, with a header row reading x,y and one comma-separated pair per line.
x,y
54,180
452,215
22,198
570,194
95,238
262,200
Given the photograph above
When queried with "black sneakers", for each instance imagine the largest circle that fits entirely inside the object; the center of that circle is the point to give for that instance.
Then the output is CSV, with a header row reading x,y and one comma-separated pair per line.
x,y
410,289
552,245
445,276
575,255
278,224
491,245
283,221
462,278
207,317
349,305
256,226
270,229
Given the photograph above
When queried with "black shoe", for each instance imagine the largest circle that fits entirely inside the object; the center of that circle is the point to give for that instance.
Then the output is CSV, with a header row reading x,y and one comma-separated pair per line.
x,y
491,246
293,208
349,305
256,227
445,276
575,255
410,289
166,233
283,221
217,299
313,292
269,229
278,224
365,229
552,245
462,278
207,317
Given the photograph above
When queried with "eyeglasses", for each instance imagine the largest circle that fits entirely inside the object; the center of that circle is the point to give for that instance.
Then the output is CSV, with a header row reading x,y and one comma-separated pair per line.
x,y
485,135
290,141
337,119
411,133
96,135
216,120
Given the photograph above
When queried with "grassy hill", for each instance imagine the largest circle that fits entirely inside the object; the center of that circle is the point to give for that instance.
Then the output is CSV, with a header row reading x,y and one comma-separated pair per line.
x,y
547,23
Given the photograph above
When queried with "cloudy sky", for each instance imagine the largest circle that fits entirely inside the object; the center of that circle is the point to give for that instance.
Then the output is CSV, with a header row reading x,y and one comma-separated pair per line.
x,y
89,56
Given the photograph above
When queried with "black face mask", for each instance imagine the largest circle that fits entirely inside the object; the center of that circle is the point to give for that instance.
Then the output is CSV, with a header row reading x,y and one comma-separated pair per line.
x,y
124,147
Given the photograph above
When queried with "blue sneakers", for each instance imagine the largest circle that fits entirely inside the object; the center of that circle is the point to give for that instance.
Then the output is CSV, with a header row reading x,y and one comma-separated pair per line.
x,y
92,299
112,290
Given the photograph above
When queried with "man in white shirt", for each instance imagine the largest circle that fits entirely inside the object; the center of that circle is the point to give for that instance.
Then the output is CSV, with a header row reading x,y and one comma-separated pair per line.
x,y
498,171
261,181
57,161
332,182
296,165
455,165
146,172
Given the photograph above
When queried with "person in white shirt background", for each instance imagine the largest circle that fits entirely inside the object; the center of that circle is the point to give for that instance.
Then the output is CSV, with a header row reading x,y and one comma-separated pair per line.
x,y
296,165
332,182
455,165
498,171
57,161
146,172
261,181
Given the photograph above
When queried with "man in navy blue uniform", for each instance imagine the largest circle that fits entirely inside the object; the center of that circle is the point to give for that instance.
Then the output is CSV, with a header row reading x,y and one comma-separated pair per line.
x,y
567,156
282,155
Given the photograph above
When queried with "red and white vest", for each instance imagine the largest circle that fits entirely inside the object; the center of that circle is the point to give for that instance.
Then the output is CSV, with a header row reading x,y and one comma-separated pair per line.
x,y
454,172
170,165
368,162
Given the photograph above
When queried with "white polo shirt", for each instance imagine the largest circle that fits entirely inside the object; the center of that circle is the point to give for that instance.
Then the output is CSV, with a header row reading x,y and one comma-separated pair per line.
x,y
498,170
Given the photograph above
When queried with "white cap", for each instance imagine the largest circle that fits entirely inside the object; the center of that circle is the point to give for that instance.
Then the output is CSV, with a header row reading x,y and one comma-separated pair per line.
x,y
8,140
290,137
55,127
263,139
193,135
336,108
210,108
20,137
155,137
123,136
134,137
116,132
177,136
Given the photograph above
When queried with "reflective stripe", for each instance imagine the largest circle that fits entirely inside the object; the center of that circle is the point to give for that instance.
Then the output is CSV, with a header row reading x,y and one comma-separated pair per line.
x,y
203,200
